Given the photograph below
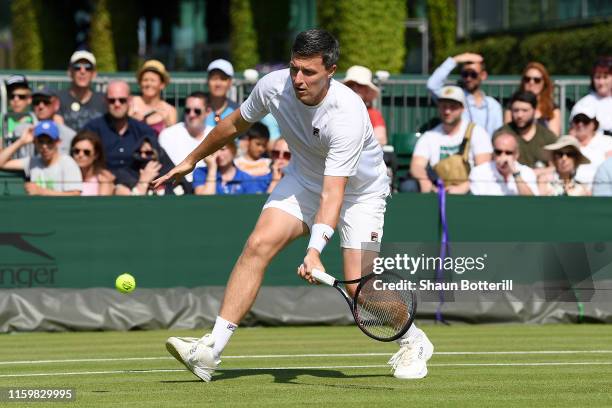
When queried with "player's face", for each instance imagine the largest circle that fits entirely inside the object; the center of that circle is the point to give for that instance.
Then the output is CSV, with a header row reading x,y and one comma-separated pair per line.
x,y
310,78
450,112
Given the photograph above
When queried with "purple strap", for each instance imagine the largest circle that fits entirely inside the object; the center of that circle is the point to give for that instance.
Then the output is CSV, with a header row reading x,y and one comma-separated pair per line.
x,y
443,244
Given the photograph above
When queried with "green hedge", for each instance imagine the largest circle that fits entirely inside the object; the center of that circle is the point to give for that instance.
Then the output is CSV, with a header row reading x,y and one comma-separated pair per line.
x,y
442,17
101,38
371,33
26,34
565,52
243,37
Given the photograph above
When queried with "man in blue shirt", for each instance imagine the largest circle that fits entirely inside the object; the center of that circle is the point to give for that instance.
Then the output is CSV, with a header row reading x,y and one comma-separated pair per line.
x,y
481,109
121,135
221,176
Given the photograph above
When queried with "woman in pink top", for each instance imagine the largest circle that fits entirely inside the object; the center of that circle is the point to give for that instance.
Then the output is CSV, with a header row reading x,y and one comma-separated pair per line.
x,y
86,149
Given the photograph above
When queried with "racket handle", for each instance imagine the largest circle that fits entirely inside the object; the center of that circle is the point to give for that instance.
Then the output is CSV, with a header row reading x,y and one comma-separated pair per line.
x,y
323,277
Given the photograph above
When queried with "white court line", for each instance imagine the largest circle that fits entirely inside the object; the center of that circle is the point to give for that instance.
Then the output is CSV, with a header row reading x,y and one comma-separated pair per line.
x,y
441,353
582,363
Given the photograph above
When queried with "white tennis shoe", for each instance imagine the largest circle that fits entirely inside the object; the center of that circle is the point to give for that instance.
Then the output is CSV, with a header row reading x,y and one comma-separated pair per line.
x,y
196,354
410,362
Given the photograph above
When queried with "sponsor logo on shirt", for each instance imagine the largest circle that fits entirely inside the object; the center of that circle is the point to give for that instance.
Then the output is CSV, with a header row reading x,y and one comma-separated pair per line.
x,y
315,132
374,237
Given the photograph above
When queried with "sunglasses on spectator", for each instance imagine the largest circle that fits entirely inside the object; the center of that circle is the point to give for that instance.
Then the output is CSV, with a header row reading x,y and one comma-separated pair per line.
x,y
148,153
281,154
76,152
499,152
469,74
197,111
569,153
23,97
78,65
112,101
45,141
535,80
37,101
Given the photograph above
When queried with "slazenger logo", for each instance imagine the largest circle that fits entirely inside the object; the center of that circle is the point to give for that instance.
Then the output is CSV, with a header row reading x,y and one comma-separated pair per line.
x,y
30,273
17,240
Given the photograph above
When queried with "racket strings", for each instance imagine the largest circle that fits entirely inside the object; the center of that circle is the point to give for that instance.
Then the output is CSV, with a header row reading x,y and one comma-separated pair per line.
x,y
381,312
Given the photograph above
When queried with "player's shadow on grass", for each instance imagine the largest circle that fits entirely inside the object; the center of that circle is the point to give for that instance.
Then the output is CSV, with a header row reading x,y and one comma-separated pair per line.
x,y
286,376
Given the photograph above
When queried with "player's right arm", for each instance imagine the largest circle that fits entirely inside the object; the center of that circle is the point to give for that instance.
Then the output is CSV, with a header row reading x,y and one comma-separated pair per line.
x,y
222,134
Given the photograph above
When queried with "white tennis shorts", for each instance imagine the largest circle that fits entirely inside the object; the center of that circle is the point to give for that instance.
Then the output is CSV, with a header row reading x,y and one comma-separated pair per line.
x,y
361,223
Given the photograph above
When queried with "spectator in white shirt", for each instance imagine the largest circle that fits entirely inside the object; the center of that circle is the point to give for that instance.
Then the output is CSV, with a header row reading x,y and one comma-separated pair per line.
x,y
504,175
567,158
179,140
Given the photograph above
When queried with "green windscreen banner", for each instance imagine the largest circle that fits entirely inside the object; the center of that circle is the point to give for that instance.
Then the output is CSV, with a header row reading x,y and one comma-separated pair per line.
x,y
85,242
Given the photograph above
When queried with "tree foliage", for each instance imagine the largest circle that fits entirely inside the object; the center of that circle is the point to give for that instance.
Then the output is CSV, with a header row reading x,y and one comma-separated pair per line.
x,y
27,43
243,37
442,17
101,38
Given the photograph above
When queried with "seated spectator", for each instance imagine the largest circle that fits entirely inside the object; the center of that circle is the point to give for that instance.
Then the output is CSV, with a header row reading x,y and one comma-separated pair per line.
x,y
79,104
481,109
566,159
504,175
220,74
273,129
181,139
253,162
531,135
535,79
600,95
280,160
594,145
150,108
88,154
221,176
359,79
148,163
46,104
120,134
20,99
602,184
446,140
51,173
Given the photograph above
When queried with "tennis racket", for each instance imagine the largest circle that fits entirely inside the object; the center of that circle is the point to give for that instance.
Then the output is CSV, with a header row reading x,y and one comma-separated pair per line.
x,y
381,313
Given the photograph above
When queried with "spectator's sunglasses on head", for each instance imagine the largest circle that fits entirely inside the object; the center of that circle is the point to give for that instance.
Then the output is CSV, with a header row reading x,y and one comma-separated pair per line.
x,y
76,151
197,111
22,96
38,100
572,154
468,73
281,154
86,65
112,101
499,152
535,80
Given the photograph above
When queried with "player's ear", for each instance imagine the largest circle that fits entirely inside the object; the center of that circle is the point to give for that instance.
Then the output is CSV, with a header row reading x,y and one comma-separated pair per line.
x,y
331,71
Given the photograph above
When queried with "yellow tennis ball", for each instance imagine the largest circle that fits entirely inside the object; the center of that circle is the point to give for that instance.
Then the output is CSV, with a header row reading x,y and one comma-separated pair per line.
x,y
125,283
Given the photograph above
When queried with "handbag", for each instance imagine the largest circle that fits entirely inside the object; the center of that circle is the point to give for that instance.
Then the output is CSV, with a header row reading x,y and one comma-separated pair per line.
x,y
455,169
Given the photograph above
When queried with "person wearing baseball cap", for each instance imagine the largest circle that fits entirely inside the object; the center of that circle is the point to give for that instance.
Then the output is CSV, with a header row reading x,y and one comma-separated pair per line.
x,y
447,139
20,99
50,173
220,74
568,161
79,104
359,79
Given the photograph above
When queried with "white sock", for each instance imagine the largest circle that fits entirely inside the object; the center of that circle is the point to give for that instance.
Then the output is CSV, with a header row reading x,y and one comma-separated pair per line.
x,y
412,331
221,333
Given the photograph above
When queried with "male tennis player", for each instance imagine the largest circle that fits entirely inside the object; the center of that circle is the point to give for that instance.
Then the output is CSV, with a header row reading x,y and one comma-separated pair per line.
x,y
336,177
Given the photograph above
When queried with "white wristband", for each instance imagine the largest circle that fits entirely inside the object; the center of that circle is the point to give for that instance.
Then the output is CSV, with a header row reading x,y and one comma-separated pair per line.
x,y
319,236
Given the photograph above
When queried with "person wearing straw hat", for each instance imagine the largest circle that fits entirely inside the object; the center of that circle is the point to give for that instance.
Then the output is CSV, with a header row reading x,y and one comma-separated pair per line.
x,y
566,159
359,79
150,108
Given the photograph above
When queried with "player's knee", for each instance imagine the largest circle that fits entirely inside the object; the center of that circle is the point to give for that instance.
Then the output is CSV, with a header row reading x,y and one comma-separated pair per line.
x,y
259,246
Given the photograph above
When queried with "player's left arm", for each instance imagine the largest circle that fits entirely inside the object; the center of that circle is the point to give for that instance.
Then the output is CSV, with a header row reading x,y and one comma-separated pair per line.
x,y
326,220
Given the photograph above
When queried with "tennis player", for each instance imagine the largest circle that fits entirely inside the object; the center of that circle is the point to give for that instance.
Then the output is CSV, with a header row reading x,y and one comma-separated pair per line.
x,y
336,178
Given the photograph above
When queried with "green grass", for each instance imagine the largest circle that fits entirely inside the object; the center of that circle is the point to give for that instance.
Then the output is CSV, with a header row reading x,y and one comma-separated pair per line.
x,y
254,382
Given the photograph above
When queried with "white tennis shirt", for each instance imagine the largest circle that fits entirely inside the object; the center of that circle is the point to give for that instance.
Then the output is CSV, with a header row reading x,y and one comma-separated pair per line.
x,y
333,138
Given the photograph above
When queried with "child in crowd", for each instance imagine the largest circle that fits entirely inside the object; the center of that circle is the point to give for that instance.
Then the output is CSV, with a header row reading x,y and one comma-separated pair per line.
x,y
253,162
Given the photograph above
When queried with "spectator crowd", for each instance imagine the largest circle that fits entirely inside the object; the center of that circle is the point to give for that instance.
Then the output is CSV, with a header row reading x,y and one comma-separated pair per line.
x,y
81,142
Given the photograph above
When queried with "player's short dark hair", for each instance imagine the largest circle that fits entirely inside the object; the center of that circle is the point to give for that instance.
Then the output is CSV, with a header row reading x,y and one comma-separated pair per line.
x,y
317,41
524,96
200,95
258,131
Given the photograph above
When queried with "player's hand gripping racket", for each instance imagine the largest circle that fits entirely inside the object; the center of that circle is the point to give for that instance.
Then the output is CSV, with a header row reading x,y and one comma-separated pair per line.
x,y
381,313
